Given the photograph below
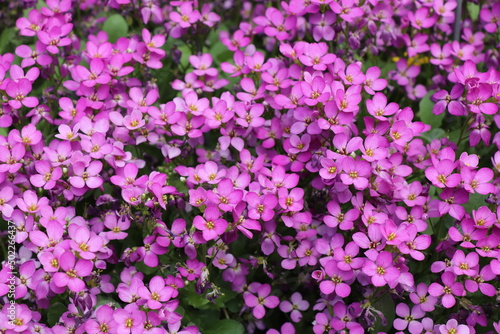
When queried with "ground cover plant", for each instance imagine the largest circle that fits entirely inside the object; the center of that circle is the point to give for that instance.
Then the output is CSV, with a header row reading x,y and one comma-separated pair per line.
x,y
279,167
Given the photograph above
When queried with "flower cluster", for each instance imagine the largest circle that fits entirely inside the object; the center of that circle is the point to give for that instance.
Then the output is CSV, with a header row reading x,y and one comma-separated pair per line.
x,y
323,166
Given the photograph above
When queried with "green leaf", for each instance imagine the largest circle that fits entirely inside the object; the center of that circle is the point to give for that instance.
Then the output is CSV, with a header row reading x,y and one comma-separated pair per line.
x,y
475,202
226,326
386,306
116,27
6,37
54,313
426,114
433,134
473,10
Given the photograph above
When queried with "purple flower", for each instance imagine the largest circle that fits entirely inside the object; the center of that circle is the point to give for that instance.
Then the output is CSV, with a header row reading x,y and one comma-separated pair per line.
x,y
477,97
448,290
86,175
381,270
211,224
295,305
409,318
452,326
261,300
336,282
18,91
441,174
74,272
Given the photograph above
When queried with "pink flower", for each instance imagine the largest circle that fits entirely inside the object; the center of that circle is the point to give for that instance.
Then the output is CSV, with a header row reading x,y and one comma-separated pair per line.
x,y
156,294
211,224
263,299
409,318
30,202
381,270
477,97
86,175
6,201
452,326
85,242
420,297
74,272
291,201
441,174
450,289
22,318
47,175
261,207
317,56
19,91
55,37
336,283
130,319
225,196
93,76
477,181
103,322
379,108
295,305
465,265
355,172
187,15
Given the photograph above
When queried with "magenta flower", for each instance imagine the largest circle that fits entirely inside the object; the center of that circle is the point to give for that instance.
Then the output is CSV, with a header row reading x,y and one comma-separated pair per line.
x,y
55,37
19,91
448,290
337,218
477,97
381,270
295,305
379,108
186,16
30,202
6,201
336,283
453,198
414,244
85,242
479,281
346,258
193,269
452,326
317,56
156,294
47,176
291,201
441,174
421,298
355,173
409,318
465,265
103,322
130,319
445,100
126,177
262,300
86,175
261,207
477,181
22,318
211,224
74,272
225,196
150,251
